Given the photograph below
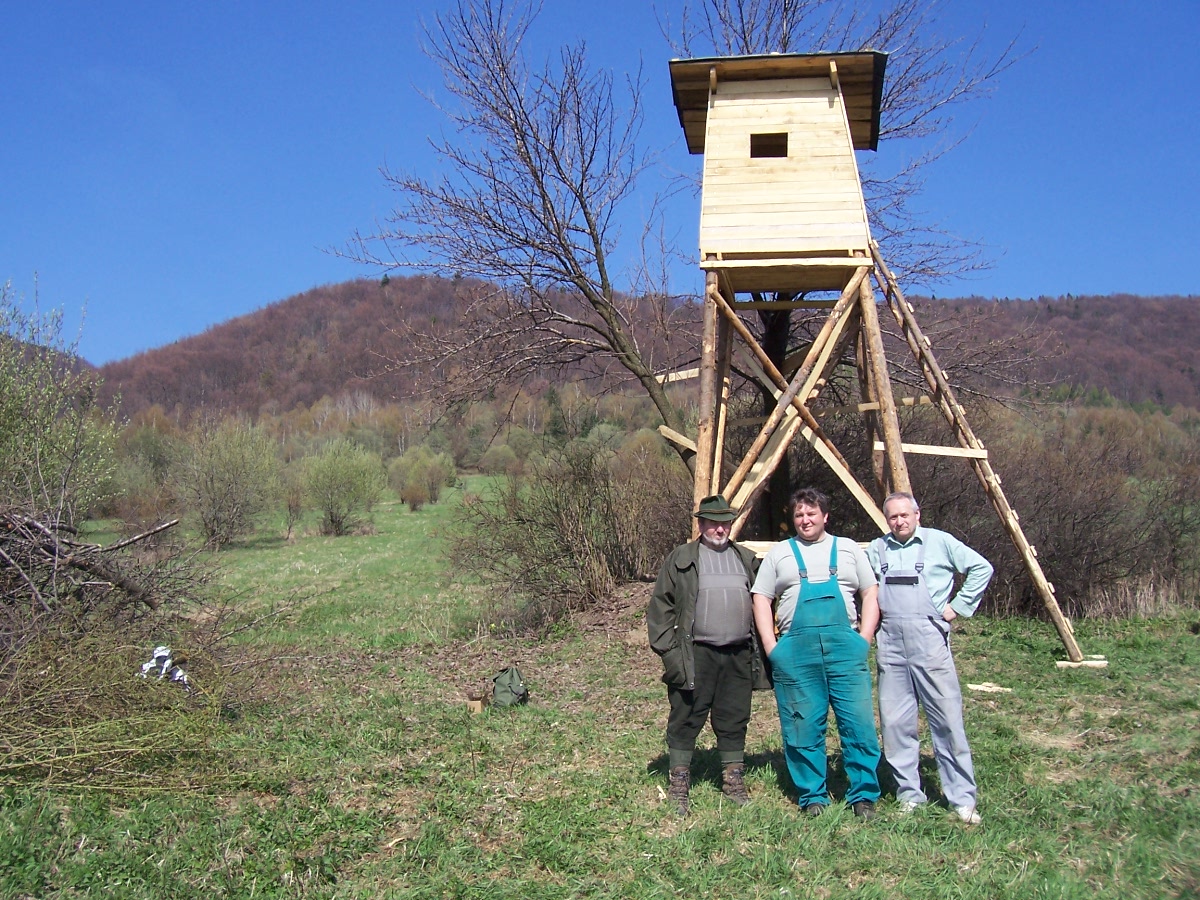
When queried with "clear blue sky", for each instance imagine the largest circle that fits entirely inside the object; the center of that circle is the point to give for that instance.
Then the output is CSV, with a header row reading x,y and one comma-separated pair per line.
x,y
172,166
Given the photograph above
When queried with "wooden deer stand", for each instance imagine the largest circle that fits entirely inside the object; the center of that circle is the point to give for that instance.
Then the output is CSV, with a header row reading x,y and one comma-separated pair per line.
x,y
782,212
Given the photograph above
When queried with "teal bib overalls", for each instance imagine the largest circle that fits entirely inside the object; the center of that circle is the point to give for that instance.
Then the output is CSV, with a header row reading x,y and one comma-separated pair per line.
x,y
820,662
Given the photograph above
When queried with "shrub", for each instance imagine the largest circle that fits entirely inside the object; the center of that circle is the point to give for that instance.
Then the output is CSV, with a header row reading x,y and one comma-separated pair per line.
x,y
293,497
522,441
420,463
499,460
415,494
56,446
567,533
229,475
343,482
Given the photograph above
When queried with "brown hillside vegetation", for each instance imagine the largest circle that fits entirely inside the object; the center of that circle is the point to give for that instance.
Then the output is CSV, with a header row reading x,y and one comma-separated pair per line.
x,y
337,339
324,342
1137,349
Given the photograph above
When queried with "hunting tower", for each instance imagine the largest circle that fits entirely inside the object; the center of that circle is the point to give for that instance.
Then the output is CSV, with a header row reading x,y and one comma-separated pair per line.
x,y
782,207
782,217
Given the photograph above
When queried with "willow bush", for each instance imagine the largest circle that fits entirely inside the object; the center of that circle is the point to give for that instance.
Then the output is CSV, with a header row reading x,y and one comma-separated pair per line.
x,y
574,526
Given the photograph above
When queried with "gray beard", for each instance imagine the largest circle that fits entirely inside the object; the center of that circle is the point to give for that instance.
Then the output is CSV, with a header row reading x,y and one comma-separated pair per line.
x,y
715,545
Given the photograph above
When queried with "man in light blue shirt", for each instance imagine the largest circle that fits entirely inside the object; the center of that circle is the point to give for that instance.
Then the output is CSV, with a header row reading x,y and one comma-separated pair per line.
x,y
916,568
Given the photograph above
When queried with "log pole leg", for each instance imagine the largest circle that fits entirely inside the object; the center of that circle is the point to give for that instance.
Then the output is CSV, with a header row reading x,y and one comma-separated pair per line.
x,y
724,358
897,470
870,416
706,429
953,412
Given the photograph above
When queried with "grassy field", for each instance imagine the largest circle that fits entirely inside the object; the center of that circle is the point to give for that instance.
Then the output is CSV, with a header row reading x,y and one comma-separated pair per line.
x,y
361,774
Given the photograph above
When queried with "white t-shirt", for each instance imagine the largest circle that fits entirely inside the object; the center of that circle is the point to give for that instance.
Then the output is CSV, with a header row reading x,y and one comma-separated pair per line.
x,y
779,576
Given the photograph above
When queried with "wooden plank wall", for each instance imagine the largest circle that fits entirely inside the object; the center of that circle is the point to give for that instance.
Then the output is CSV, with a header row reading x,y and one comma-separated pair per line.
x,y
809,201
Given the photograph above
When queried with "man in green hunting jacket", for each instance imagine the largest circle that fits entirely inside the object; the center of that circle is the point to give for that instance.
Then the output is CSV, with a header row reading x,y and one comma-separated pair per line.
x,y
700,623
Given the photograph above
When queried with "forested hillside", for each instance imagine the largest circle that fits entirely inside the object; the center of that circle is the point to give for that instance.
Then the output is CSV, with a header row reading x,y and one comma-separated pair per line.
x,y
324,342
1138,349
339,338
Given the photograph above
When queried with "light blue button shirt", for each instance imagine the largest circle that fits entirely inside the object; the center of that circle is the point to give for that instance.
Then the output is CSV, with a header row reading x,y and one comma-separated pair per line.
x,y
945,555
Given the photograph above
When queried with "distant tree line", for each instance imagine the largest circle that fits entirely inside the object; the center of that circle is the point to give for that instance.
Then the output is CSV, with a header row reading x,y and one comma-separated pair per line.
x,y
1108,492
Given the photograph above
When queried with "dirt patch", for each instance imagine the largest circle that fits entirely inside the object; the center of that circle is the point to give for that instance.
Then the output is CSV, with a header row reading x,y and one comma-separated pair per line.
x,y
620,615
1053,741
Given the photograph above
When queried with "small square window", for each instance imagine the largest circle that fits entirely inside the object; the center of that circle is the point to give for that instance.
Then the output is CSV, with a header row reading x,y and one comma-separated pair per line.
x,y
768,145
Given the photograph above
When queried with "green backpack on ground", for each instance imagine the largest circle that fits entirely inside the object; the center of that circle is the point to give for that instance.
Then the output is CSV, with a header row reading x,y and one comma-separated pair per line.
x,y
509,689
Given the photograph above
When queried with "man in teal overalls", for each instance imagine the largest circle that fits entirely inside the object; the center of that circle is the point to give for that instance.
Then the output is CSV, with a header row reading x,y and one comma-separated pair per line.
x,y
820,660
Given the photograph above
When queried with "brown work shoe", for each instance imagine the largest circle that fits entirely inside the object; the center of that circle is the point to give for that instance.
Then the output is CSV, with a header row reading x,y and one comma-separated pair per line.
x,y
864,809
680,785
732,784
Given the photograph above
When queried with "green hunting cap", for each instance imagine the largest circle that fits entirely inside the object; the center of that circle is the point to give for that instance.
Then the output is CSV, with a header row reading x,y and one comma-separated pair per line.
x,y
716,509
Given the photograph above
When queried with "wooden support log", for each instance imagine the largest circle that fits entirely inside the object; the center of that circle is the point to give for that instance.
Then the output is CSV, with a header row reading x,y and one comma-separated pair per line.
x,y
758,262
798,382
900,401
1089,662
724,353
678,375
706,428
783,304
953,412
937,450
870,406
679,440
889,422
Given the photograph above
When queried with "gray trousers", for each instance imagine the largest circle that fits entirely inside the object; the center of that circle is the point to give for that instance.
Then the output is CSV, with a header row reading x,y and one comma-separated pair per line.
x,y
915,666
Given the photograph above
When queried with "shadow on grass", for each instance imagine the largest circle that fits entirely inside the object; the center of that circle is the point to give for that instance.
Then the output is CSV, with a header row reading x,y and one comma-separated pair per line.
x,y
706,767
263,541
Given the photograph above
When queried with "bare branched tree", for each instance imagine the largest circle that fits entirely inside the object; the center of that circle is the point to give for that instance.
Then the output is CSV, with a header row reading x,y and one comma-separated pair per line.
x,y
541,164
531,187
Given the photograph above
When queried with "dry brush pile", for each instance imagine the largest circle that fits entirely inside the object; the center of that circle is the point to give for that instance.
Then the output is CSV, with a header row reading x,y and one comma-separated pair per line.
x,y
77,621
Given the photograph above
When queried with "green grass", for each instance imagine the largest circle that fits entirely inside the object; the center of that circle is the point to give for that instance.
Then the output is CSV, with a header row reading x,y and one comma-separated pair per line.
x,y
390,587
364,775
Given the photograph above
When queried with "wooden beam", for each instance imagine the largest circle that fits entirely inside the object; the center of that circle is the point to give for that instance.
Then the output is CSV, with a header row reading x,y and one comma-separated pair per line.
x,y
946,402
775,262
724,353
678,375
889,423
783,304
870,394
867,407
1091,661
706,427
679,440
935,450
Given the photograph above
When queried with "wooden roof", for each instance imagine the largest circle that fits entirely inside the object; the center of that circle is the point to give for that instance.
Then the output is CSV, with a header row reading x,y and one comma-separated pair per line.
x,y
860,75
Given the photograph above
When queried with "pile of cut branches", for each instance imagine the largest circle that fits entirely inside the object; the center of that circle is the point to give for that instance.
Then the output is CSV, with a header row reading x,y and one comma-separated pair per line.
x,y
77,621
40,560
